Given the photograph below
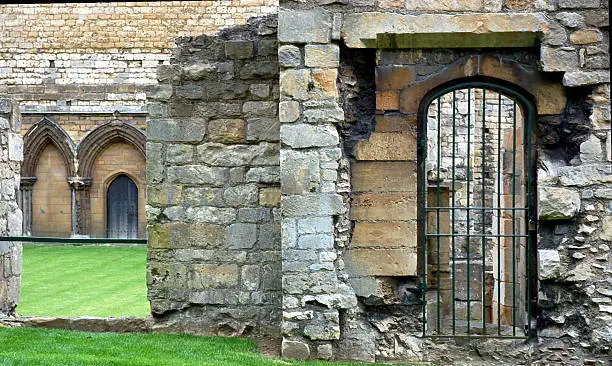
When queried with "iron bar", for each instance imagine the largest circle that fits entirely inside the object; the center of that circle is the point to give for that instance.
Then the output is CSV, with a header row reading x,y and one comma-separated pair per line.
x,y
513,217
478,208
453,211
499,188
482,218
468,177
481,235
438,219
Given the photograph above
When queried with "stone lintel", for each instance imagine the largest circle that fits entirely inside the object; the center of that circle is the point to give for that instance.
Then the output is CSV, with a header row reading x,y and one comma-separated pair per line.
x,y
456,40
363,30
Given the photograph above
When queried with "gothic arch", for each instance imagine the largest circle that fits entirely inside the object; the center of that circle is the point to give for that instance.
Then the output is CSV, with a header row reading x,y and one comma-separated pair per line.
x,y
45,132
102,136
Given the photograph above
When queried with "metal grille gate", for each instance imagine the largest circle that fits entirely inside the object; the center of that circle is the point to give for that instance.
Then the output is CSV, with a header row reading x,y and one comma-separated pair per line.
x,y
477,216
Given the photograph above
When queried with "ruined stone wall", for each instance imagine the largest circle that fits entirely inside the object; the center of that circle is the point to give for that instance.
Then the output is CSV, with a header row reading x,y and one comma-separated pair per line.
x,y
11,155
213,184
567,76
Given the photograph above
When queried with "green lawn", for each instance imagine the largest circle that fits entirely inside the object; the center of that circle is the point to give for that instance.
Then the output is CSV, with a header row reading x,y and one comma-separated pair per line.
x,y
30,346
84,280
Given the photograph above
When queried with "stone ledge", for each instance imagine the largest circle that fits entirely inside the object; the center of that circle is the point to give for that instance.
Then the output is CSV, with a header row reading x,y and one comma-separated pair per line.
x,y
362,30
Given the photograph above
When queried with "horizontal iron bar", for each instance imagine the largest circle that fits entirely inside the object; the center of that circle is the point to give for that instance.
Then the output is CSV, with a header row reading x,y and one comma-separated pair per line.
x,y
476,208
40,239
481,235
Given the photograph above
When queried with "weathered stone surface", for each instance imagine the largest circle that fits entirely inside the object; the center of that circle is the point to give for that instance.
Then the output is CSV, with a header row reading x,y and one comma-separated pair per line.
x,y
583,78
179,153
585,174
263,129
299,171
237,155
381,262
549,264
591,150
269,197
324,115
288,111
204,276
311,205
385,234
606,229
322,55
384,206
294,83
383,176
239,49
197,174
241,195
241,235
578,3
289,56
442,5
394,77
307,26
387,146
570,20
325,83
300,136
586,36
557,203
295,349
176,129
559,59
227,131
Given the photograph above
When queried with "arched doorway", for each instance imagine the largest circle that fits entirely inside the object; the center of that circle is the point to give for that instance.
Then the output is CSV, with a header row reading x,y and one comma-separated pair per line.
x,y
122,208
477,205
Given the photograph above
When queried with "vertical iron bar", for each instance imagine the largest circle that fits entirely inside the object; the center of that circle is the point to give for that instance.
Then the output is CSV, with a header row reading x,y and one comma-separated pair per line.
x,y
513,218
483,193
424,218
438,217
499,212
468,211
452,204
528,214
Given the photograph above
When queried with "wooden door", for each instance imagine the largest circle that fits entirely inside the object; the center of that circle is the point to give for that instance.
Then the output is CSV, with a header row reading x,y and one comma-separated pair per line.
x,y
122,208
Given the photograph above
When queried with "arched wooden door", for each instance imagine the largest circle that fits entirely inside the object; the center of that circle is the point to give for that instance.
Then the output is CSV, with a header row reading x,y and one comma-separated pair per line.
x,y
122,208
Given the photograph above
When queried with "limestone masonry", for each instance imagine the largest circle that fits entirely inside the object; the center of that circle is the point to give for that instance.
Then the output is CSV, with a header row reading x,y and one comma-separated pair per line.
x,y
346,178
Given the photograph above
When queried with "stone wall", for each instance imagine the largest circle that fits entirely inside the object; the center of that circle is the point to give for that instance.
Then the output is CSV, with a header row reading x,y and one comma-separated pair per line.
x,y
213,184
564,71
11,155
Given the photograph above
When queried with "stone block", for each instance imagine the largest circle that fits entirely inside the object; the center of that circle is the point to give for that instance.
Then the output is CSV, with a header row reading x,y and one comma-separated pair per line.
x,y
586,36
383,176
250,276
259,90
384,206
260,109
381,262
591,150
203,196
549,264
14,146
299,171
585,175
176,129
241,195
570,20
557,203
559,59
387,100
311,205
212,215
387,146
585,78
294,349
254,214
159,236
205,276
238,155
180,153
325,82
301,136
197,235
289,56
263,129
259,70
288,111
394,77
577,4
395,123
269,197
239,49
263,175
385,234
241,235
606,229
304,26
226,131
443,5
6,106
316,242
315,225
294,83
326,55
197,174
332,114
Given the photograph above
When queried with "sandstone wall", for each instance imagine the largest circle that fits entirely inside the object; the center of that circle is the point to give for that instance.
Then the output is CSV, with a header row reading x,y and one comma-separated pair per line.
x,y
213,184
11,155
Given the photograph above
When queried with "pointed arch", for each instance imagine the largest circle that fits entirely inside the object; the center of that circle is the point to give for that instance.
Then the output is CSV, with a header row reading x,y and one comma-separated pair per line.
x,y
42,133
104,135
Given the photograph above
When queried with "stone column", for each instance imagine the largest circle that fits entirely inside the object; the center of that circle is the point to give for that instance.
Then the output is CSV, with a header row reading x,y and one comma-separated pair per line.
x,y
79,194
11,155
25,203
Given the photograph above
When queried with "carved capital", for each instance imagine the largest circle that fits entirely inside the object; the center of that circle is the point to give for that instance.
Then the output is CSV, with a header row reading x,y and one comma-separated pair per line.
x,y
79,183
27,182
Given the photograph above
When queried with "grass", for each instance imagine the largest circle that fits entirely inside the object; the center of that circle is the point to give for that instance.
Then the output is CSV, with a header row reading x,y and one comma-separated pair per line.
x,y
101,281
30,346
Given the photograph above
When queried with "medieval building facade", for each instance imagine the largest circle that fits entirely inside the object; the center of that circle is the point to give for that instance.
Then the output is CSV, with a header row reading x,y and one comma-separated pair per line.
x,y
372,180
